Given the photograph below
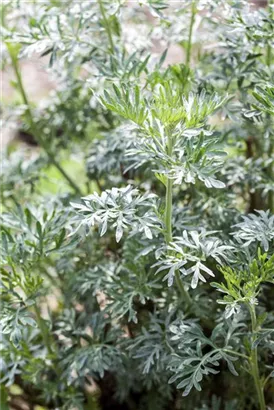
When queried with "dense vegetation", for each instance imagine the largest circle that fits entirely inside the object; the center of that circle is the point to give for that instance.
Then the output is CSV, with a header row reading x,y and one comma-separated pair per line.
x,y
137,230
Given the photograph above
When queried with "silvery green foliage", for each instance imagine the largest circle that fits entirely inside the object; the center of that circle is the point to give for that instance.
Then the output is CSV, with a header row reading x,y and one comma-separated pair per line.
x,y
258,228
243,66
151,348
31,232
241,34
13,360
166,105
190,365
243,286
77,310
195,150
53,31
126,286
109,156
265,98
121,208
121,66
13,323
18,174
249,170
63,34
189,253
98,356
27,236
138,287
254,25
174,26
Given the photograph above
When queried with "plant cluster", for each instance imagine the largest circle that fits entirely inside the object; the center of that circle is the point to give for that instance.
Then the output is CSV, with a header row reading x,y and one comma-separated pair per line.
x,y
137,236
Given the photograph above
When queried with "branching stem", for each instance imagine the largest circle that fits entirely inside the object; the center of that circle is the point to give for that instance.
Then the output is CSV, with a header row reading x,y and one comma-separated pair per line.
x,y
254,361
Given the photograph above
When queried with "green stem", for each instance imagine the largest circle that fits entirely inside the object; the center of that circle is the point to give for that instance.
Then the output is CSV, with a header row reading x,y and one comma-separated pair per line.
x,y
168,211
190,32
169,194
33,127
65,175
168,224
107,26
254,361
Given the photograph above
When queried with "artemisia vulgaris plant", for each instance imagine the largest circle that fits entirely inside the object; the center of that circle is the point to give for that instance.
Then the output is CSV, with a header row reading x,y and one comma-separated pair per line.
x,y
137,226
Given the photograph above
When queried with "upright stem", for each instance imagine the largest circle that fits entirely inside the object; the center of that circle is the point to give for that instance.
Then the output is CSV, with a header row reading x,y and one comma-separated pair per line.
x,y
65,175
190,32
168,224
107,26
254,361
168,211
33,126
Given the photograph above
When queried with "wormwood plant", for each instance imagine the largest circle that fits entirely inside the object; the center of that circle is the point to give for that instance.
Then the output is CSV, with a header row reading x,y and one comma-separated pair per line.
x,y
137,237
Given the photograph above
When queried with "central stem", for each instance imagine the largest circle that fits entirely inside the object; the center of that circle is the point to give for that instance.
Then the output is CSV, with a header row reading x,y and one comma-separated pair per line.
x,y
168,213
169,186
254,361
168,223
107,26
190,32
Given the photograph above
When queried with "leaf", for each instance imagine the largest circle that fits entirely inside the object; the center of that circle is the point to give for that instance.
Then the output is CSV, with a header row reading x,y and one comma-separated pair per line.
x,y
214,183
119,232
162,58
28,217
120,207
148,232
39,229
16,336
60,238
232,368
27,320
